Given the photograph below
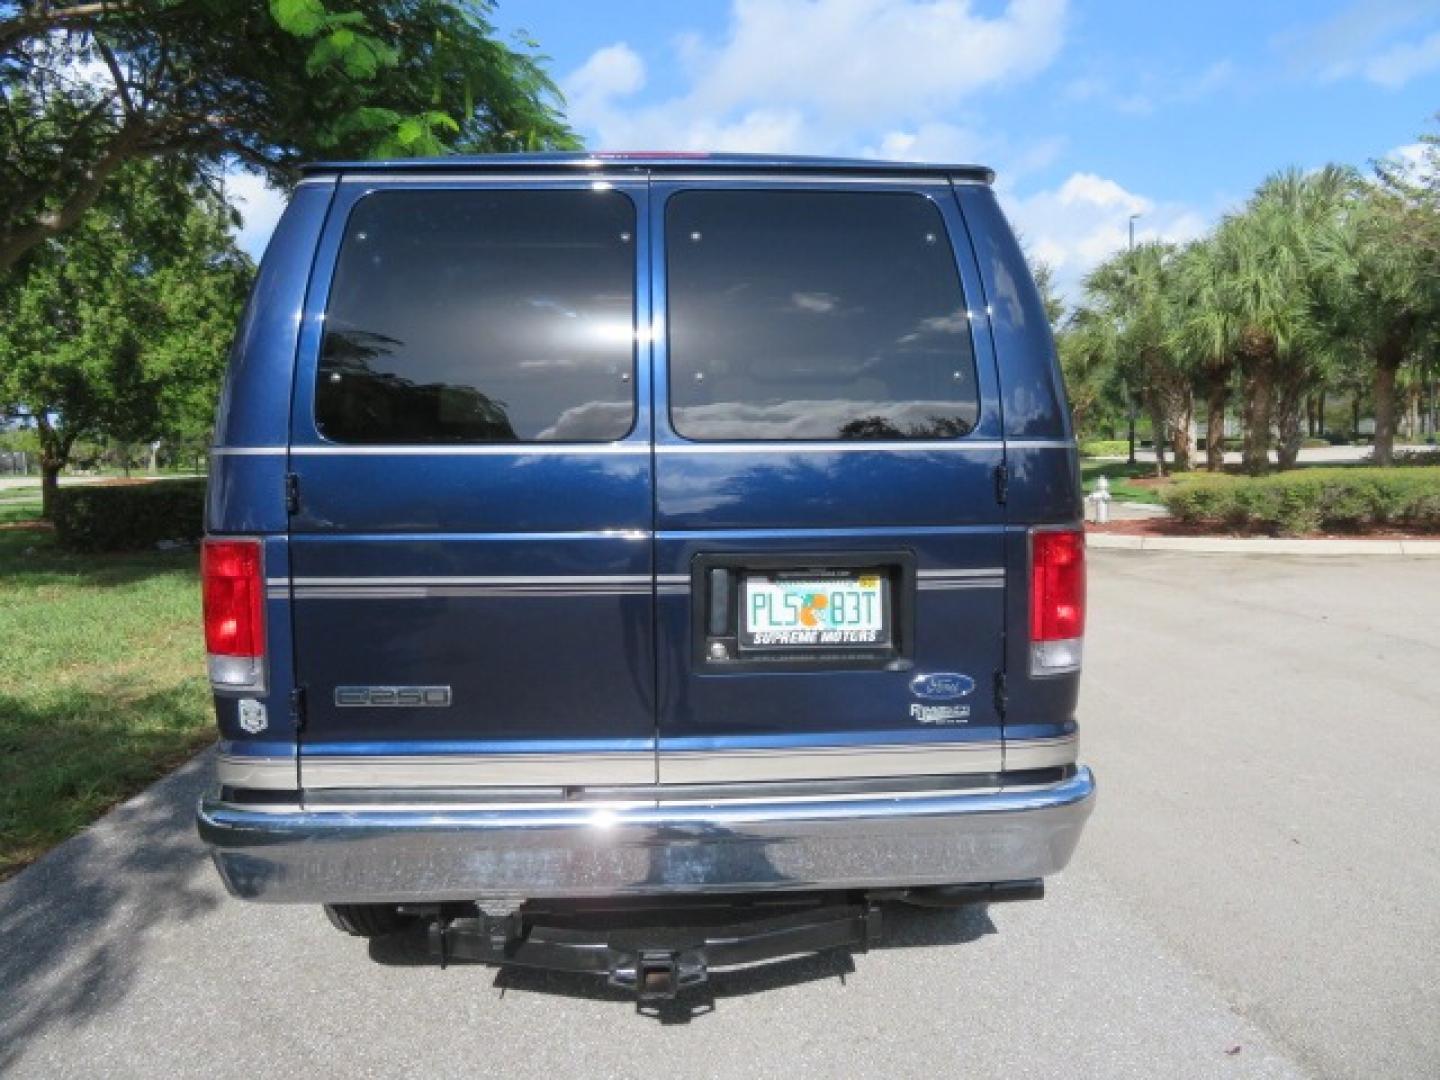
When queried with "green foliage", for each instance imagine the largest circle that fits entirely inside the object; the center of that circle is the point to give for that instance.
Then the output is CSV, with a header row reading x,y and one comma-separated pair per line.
x,y
1308,500
120,327
1104,447
129,517
205,83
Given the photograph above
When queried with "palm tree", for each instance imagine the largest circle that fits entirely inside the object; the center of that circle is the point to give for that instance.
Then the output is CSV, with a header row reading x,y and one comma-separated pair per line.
x,y
1386,298
1268,265
1202,332
1086,343
1131,290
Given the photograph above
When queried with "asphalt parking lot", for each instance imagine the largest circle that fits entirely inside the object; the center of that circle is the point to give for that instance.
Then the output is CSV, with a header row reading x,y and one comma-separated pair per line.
x,y
1258,894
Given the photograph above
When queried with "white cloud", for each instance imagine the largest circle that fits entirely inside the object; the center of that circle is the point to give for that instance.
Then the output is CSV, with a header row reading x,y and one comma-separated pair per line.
x,y
821,76
1075,226
260,208
1397,65
1364,40
1414,161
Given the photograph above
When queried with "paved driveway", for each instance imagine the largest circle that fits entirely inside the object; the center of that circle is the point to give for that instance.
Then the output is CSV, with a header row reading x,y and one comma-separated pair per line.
x,y
1258,895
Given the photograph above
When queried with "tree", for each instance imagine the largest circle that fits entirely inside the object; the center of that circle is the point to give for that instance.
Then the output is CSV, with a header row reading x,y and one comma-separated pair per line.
x,y
1131,290
86,88
1202,331
1268,267
1387,259
1087,357
120,327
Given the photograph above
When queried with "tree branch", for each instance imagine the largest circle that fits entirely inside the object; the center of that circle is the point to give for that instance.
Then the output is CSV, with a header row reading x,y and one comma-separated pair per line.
x,y
39,20
15,242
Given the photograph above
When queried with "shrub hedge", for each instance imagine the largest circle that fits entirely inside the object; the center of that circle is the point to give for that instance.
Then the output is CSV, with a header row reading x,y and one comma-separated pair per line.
x,y
129,517
1104,447
1307,500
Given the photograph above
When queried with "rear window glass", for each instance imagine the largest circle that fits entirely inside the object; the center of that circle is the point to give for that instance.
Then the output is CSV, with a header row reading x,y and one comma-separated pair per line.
x,y
810,315
481,316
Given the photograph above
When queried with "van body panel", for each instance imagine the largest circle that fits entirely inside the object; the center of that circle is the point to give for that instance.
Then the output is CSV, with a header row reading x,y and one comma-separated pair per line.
x,y
934,499
515,576
1032,393
491,667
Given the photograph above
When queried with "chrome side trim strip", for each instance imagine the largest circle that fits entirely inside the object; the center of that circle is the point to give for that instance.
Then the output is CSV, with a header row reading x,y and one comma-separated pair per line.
x,y
953,586
828,180
256,773
827,762
978,572
496,450
478,770
501,580
847,446
577,179
430,592
1041,753
531,449
419,588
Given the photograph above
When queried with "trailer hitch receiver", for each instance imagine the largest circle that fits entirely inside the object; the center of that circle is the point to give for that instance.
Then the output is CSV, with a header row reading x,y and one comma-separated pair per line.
x,y
657,975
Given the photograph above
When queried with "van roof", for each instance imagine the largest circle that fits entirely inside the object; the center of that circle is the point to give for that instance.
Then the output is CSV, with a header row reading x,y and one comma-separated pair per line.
x,y
657,161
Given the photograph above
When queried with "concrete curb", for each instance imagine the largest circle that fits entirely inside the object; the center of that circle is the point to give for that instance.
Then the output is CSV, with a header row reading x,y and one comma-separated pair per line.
x,y
1262,545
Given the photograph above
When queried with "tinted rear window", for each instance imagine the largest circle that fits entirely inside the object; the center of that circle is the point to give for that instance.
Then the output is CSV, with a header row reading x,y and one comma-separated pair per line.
x,y
815,315
481,316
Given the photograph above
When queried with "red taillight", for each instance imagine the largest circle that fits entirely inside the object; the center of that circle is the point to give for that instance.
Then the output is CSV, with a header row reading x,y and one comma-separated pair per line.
x,y
1057,585
233,586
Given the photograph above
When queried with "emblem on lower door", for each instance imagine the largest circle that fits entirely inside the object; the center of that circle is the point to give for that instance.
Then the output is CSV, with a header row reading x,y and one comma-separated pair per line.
x,y
253,719
410,697
941,686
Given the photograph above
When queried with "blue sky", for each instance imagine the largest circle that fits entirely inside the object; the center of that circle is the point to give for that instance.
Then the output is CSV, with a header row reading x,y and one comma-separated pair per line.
x,y
1089,111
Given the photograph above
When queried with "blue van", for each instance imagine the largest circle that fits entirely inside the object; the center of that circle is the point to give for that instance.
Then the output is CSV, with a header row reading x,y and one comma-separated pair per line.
x,y
643,563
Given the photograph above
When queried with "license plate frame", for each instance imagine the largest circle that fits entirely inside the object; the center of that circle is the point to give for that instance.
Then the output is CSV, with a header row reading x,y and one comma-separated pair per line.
x,y
821,611
716,593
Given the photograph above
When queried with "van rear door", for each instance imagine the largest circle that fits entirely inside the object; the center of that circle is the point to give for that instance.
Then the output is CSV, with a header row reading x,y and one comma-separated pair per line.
x,y
830,539
471,471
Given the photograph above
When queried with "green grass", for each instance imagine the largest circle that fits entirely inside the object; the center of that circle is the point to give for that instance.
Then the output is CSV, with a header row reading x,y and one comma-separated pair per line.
x,y
1119,474
19,505
102,686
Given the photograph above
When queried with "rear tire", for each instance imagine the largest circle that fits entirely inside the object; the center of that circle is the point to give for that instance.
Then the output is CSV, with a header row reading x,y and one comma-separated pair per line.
x,y
367,920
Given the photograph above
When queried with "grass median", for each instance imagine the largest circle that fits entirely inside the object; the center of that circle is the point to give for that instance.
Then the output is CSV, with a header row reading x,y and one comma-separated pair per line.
x,y
102,686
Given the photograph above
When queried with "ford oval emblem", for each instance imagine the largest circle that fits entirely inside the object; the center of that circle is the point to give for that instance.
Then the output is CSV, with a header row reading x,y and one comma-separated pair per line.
x,y
941,686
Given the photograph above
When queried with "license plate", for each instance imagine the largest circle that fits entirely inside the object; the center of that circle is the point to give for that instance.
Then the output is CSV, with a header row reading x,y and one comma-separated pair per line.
x,y
834,610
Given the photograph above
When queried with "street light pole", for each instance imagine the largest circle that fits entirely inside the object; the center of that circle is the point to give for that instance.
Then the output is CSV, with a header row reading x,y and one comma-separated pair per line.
x,y
1125,384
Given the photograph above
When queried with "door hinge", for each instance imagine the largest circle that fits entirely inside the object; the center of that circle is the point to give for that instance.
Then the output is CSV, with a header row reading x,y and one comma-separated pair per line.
x,y
292,493
1002,483
1001,699
297,707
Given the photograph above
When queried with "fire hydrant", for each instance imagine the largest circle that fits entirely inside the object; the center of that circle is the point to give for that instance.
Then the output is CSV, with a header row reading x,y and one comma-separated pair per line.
x,y
1099,502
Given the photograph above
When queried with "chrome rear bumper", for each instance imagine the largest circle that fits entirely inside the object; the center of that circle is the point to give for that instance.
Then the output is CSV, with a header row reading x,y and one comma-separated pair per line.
x,y
430,856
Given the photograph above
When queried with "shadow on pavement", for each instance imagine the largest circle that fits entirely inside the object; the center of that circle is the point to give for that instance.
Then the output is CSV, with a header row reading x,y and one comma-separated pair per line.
x,y
74,924
905,927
